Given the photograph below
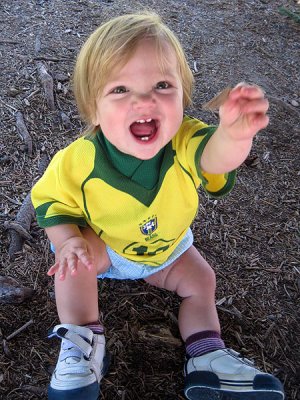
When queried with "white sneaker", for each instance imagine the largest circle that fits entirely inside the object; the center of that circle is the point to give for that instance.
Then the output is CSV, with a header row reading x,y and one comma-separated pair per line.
x,y
81,364
224,375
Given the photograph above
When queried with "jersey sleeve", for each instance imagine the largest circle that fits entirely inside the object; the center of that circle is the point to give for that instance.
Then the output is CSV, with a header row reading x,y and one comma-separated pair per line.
x,y
197,136
215,185
54,198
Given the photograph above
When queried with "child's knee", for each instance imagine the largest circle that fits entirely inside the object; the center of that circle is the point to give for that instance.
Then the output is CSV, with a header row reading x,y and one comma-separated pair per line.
x,y
202,280
208,277
193,277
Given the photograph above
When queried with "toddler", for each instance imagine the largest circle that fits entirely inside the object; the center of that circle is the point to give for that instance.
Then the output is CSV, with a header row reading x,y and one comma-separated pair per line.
x,y
119,201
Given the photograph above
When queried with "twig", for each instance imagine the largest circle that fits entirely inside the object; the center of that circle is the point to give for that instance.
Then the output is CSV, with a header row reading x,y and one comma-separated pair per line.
x,y
44,161
52,59
10,199
37,45
8,106
6,350
5,183
21,329
33,94
4,41
47,83
18,228
38,391
23,218
234,312
23,132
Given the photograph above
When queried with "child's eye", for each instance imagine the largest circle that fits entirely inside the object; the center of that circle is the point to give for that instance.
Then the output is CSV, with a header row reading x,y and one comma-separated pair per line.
x,y
119,90
162,85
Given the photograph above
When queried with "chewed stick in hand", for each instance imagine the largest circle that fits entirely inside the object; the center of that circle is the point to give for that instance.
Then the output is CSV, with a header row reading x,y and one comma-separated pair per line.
x,y
216,102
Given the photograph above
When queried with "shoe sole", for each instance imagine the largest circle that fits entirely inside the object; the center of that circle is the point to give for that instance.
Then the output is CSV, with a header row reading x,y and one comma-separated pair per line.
x,y
91,392
214,394
205,385
105,368
106,363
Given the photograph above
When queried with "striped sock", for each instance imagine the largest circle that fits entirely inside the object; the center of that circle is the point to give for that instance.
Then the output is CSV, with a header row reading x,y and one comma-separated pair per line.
x,y
96,327
203,342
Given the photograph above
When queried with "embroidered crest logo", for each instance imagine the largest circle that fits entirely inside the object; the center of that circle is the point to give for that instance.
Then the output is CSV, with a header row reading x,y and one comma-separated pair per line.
x,y
149,227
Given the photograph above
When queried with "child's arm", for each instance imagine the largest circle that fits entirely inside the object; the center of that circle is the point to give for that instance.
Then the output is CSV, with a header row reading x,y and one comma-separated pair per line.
x,y
70,247
241,116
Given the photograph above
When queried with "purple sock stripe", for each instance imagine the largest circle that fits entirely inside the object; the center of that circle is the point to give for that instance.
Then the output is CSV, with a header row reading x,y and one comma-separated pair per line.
x,y
96,328
204,346
204,342
202,335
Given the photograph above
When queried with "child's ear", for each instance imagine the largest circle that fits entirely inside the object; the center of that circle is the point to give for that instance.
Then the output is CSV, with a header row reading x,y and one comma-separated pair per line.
x,y
95,118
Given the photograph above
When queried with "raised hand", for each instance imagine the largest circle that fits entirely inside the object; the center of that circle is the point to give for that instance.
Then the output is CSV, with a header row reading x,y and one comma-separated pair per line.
x,y
243,113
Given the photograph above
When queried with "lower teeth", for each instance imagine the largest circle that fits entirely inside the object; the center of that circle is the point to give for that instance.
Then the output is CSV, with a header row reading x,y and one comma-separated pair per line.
x,y
145,138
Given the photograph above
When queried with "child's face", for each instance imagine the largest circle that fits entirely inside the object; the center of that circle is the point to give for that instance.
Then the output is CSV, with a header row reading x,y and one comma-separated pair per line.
x,y
141,107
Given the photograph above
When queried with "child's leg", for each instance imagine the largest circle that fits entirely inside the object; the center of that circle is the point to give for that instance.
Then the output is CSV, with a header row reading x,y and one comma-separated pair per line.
x,y
77,296
211,370
82,359
192,278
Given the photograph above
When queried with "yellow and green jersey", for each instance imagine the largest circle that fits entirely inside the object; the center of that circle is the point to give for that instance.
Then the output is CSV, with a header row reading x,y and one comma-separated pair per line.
x,y
141,222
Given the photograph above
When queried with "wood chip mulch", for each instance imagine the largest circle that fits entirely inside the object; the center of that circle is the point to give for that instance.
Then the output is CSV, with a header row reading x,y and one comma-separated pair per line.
x,y
251,237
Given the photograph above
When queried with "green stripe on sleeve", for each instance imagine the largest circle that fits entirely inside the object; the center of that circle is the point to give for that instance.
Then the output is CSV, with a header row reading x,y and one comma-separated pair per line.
x,y
59,220
230,176
45,222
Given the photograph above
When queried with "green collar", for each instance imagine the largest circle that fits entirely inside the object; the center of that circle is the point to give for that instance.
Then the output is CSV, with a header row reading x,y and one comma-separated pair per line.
x,y
143,172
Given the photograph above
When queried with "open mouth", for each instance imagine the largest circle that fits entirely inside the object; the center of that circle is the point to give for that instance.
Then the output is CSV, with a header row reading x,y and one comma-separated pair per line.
x,y
144,129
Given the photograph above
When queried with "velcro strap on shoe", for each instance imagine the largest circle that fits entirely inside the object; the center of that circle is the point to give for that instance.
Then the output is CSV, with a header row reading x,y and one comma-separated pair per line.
x,y
238,355
82,343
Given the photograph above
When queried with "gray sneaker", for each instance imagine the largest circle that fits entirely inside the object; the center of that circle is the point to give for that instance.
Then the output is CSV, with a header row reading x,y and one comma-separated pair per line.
x,y
224,375
81,364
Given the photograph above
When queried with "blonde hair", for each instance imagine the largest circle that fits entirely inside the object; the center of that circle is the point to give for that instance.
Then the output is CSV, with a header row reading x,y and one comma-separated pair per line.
x,y
111,46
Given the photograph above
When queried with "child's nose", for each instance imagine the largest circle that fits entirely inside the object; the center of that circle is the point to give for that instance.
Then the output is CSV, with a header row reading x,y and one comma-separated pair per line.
x,y
144,99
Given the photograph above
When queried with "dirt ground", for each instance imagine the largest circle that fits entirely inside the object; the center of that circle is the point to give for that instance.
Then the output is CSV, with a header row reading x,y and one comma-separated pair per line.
x,y
251,237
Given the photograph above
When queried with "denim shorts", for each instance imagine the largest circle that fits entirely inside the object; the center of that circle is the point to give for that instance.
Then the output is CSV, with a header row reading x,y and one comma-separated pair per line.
x,y
122,268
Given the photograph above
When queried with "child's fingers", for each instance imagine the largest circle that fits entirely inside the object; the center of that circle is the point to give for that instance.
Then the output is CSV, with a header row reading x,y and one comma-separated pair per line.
x,y
72,263
85,258
52,270
68,261
87,261
259,121
260,105
63,265
244,90
58,268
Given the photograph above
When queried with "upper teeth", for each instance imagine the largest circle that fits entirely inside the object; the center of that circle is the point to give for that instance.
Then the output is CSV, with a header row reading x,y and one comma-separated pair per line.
x,y
142,121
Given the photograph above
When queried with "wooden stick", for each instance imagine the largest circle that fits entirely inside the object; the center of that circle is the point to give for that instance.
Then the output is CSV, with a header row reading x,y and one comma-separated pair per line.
x,y
18,228
47,83
215,103
24,217
5,41
21,329
9,107
23,132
